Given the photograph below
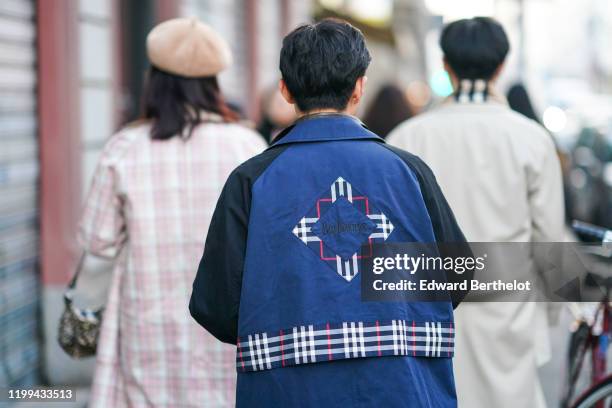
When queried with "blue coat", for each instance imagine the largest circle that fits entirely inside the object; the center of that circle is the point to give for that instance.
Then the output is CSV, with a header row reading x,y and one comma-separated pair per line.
x,y
280,273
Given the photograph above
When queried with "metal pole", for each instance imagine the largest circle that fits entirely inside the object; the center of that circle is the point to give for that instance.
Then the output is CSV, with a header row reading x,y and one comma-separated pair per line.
x,y
521,51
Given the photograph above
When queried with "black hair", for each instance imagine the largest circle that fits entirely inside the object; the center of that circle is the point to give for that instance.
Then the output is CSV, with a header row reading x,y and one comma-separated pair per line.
x,y
474,48
321,62
175,103
388,109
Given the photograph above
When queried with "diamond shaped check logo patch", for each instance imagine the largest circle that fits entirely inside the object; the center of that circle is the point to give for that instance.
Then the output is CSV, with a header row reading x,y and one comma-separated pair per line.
x,y
339,224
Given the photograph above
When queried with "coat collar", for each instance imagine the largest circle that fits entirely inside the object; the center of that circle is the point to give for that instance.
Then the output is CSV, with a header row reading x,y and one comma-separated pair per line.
x,y
325,127
471,93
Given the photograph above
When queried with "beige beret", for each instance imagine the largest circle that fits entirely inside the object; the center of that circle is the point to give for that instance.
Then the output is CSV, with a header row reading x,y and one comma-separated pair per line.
x,y
188,47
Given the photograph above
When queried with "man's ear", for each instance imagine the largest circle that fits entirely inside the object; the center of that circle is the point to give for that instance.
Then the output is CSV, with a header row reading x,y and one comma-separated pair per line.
x,y
282,86
359,89
362,85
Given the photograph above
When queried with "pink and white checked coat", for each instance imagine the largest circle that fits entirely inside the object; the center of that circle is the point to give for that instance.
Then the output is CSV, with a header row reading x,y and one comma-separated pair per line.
x,y
149,206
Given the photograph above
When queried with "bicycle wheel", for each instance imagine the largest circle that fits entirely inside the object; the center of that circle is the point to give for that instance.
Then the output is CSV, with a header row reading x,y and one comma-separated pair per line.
x,y
579,343
599,393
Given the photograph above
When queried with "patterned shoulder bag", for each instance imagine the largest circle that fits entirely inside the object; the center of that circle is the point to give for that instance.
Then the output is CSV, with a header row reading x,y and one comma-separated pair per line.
x,y
78,328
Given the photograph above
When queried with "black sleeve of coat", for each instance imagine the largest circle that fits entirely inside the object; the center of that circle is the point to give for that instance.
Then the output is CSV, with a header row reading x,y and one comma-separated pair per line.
x,y
215,299
216,289
450,238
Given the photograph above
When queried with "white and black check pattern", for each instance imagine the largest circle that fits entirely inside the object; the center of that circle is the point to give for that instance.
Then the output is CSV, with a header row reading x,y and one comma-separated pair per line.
x,y
341,188
303,345
347,268
354,339
303,230
259,350
383,226
326,342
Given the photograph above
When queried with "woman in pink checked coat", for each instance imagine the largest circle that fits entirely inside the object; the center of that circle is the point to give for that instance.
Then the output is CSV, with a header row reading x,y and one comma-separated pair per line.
x,y
149,207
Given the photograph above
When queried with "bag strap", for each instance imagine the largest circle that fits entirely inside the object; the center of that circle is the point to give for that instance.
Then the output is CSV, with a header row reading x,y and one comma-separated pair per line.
x,y
72,284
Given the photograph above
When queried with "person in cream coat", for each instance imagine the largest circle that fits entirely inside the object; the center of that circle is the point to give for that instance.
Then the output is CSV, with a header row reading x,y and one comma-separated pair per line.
x,y
502,178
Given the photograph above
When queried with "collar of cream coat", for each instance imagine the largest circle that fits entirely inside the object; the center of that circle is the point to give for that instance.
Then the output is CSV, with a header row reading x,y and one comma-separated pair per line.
x,y
494,98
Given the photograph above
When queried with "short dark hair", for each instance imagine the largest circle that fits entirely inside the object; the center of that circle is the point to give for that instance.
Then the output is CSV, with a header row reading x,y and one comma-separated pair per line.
x,y
321,62
474,48
174,103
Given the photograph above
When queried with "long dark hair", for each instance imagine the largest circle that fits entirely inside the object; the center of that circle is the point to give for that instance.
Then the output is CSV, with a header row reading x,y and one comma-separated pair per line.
x,y
519,101
388,109
175,103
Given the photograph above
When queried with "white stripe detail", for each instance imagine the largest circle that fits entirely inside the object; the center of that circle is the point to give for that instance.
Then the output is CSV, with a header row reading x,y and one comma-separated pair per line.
x,y
361,338
394,338
258,352
349,192
346,341
251,351
313,356
296,346
439,338
304,344
266,352
427,339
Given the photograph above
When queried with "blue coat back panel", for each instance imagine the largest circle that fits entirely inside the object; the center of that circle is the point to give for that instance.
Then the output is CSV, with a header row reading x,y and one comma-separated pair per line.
x,y
285,283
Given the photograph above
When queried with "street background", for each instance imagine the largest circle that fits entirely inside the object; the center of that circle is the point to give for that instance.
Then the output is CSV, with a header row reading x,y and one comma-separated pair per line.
x,y
71,74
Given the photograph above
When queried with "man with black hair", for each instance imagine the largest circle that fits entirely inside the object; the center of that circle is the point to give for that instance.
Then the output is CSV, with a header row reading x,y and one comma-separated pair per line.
x,y
502,178
280,275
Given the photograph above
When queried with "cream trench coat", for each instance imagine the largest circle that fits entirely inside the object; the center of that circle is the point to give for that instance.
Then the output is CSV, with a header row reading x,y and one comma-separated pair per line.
x,y
500,173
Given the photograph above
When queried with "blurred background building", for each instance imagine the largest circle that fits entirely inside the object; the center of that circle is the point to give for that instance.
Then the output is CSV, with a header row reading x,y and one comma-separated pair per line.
x,y
71,74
